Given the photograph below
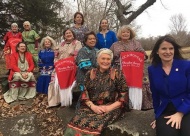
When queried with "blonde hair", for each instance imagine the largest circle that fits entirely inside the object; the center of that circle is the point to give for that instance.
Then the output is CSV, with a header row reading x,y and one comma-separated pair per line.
x,y
53,43
124,28
104,51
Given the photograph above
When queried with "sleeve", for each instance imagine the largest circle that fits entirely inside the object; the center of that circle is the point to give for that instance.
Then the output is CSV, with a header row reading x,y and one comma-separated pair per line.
x,y
30,62
155,95
122,88
20,35
40,63
185,105
84,95
83,60
14,63
36,36
77,48
114,37
97,43
5,38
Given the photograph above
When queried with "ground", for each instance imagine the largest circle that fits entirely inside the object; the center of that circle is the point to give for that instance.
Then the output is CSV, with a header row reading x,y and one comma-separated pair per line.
x,y
48,121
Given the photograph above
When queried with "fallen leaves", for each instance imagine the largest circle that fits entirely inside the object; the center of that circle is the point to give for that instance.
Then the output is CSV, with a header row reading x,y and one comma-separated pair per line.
x,y
48,122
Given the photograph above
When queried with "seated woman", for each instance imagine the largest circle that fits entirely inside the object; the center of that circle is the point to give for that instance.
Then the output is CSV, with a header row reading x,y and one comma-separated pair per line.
x,y
22,82
45,63
86,58
67,49
103,99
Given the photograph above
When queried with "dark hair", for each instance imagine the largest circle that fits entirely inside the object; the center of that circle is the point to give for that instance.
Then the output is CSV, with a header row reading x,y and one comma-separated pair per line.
x,y
18,44
71,32
155,57
86,36
79,13
100,29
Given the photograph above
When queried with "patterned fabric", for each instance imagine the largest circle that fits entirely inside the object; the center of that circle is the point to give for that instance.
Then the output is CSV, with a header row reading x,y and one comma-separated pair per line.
x,y
86,59
79,32
66,49
46,59
133,45
63,51
103,89
20,88
29,38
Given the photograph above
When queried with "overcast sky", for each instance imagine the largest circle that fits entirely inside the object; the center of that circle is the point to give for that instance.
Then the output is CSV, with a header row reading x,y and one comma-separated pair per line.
x,y
156,19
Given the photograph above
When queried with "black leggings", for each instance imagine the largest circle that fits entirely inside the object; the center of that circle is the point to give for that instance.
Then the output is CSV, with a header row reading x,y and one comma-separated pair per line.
x,y
166,130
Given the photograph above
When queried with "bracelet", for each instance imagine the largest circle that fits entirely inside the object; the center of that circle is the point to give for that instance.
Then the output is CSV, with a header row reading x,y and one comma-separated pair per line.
x,y
89,104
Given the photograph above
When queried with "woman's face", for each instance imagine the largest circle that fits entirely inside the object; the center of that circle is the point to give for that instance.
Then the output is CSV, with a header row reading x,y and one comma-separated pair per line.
x,y
104,62
166,52
68,35
104,24
78,19
47,43
26,27
91,41
125,34
22,47
14,28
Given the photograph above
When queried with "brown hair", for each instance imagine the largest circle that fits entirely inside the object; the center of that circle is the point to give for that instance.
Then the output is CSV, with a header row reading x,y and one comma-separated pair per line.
x,y
79,13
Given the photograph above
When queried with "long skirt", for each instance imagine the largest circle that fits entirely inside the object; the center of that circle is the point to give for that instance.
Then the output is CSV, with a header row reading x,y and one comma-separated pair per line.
x,y
20,88
88,123
43,83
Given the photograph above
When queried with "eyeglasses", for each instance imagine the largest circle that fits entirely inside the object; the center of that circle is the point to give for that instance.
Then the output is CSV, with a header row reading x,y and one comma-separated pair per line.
x,y
26,25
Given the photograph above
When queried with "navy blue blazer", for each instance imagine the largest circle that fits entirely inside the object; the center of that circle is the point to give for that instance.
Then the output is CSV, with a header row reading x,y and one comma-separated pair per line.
x,y
174,87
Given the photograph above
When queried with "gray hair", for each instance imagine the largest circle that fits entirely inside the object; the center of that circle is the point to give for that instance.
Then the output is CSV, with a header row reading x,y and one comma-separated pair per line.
x,y
26,23
105,51
53,43
14,24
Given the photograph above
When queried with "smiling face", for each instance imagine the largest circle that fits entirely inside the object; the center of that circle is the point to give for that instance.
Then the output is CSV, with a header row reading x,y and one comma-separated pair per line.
x,y
47,43
104,24
14,28
21,48
68,36
166,52
104,62
91,41
78,19
125,35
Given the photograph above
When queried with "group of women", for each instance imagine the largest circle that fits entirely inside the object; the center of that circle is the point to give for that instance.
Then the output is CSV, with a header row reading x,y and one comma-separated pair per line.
x,y
105,95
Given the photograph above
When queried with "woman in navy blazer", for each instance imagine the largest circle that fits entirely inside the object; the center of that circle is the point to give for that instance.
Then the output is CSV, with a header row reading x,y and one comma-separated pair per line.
x,y
169,77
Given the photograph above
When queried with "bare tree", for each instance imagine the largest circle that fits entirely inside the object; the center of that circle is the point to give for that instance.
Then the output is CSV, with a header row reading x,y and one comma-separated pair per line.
x,y
178,23
125,10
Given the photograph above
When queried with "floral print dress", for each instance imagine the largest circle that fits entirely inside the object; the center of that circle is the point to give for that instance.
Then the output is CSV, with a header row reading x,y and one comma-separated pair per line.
x,y
102,89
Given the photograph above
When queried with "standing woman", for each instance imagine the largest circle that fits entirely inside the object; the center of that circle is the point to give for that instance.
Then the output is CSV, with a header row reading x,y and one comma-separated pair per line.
x,y
69,47
169,77
127,42
105,37
45,64
79,28
22,83
86,58
31,38
11,39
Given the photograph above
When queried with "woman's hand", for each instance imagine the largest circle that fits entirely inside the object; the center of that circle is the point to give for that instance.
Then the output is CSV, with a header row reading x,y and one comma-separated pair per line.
x,y
107,108
175,120
24,75
153,124
98,109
